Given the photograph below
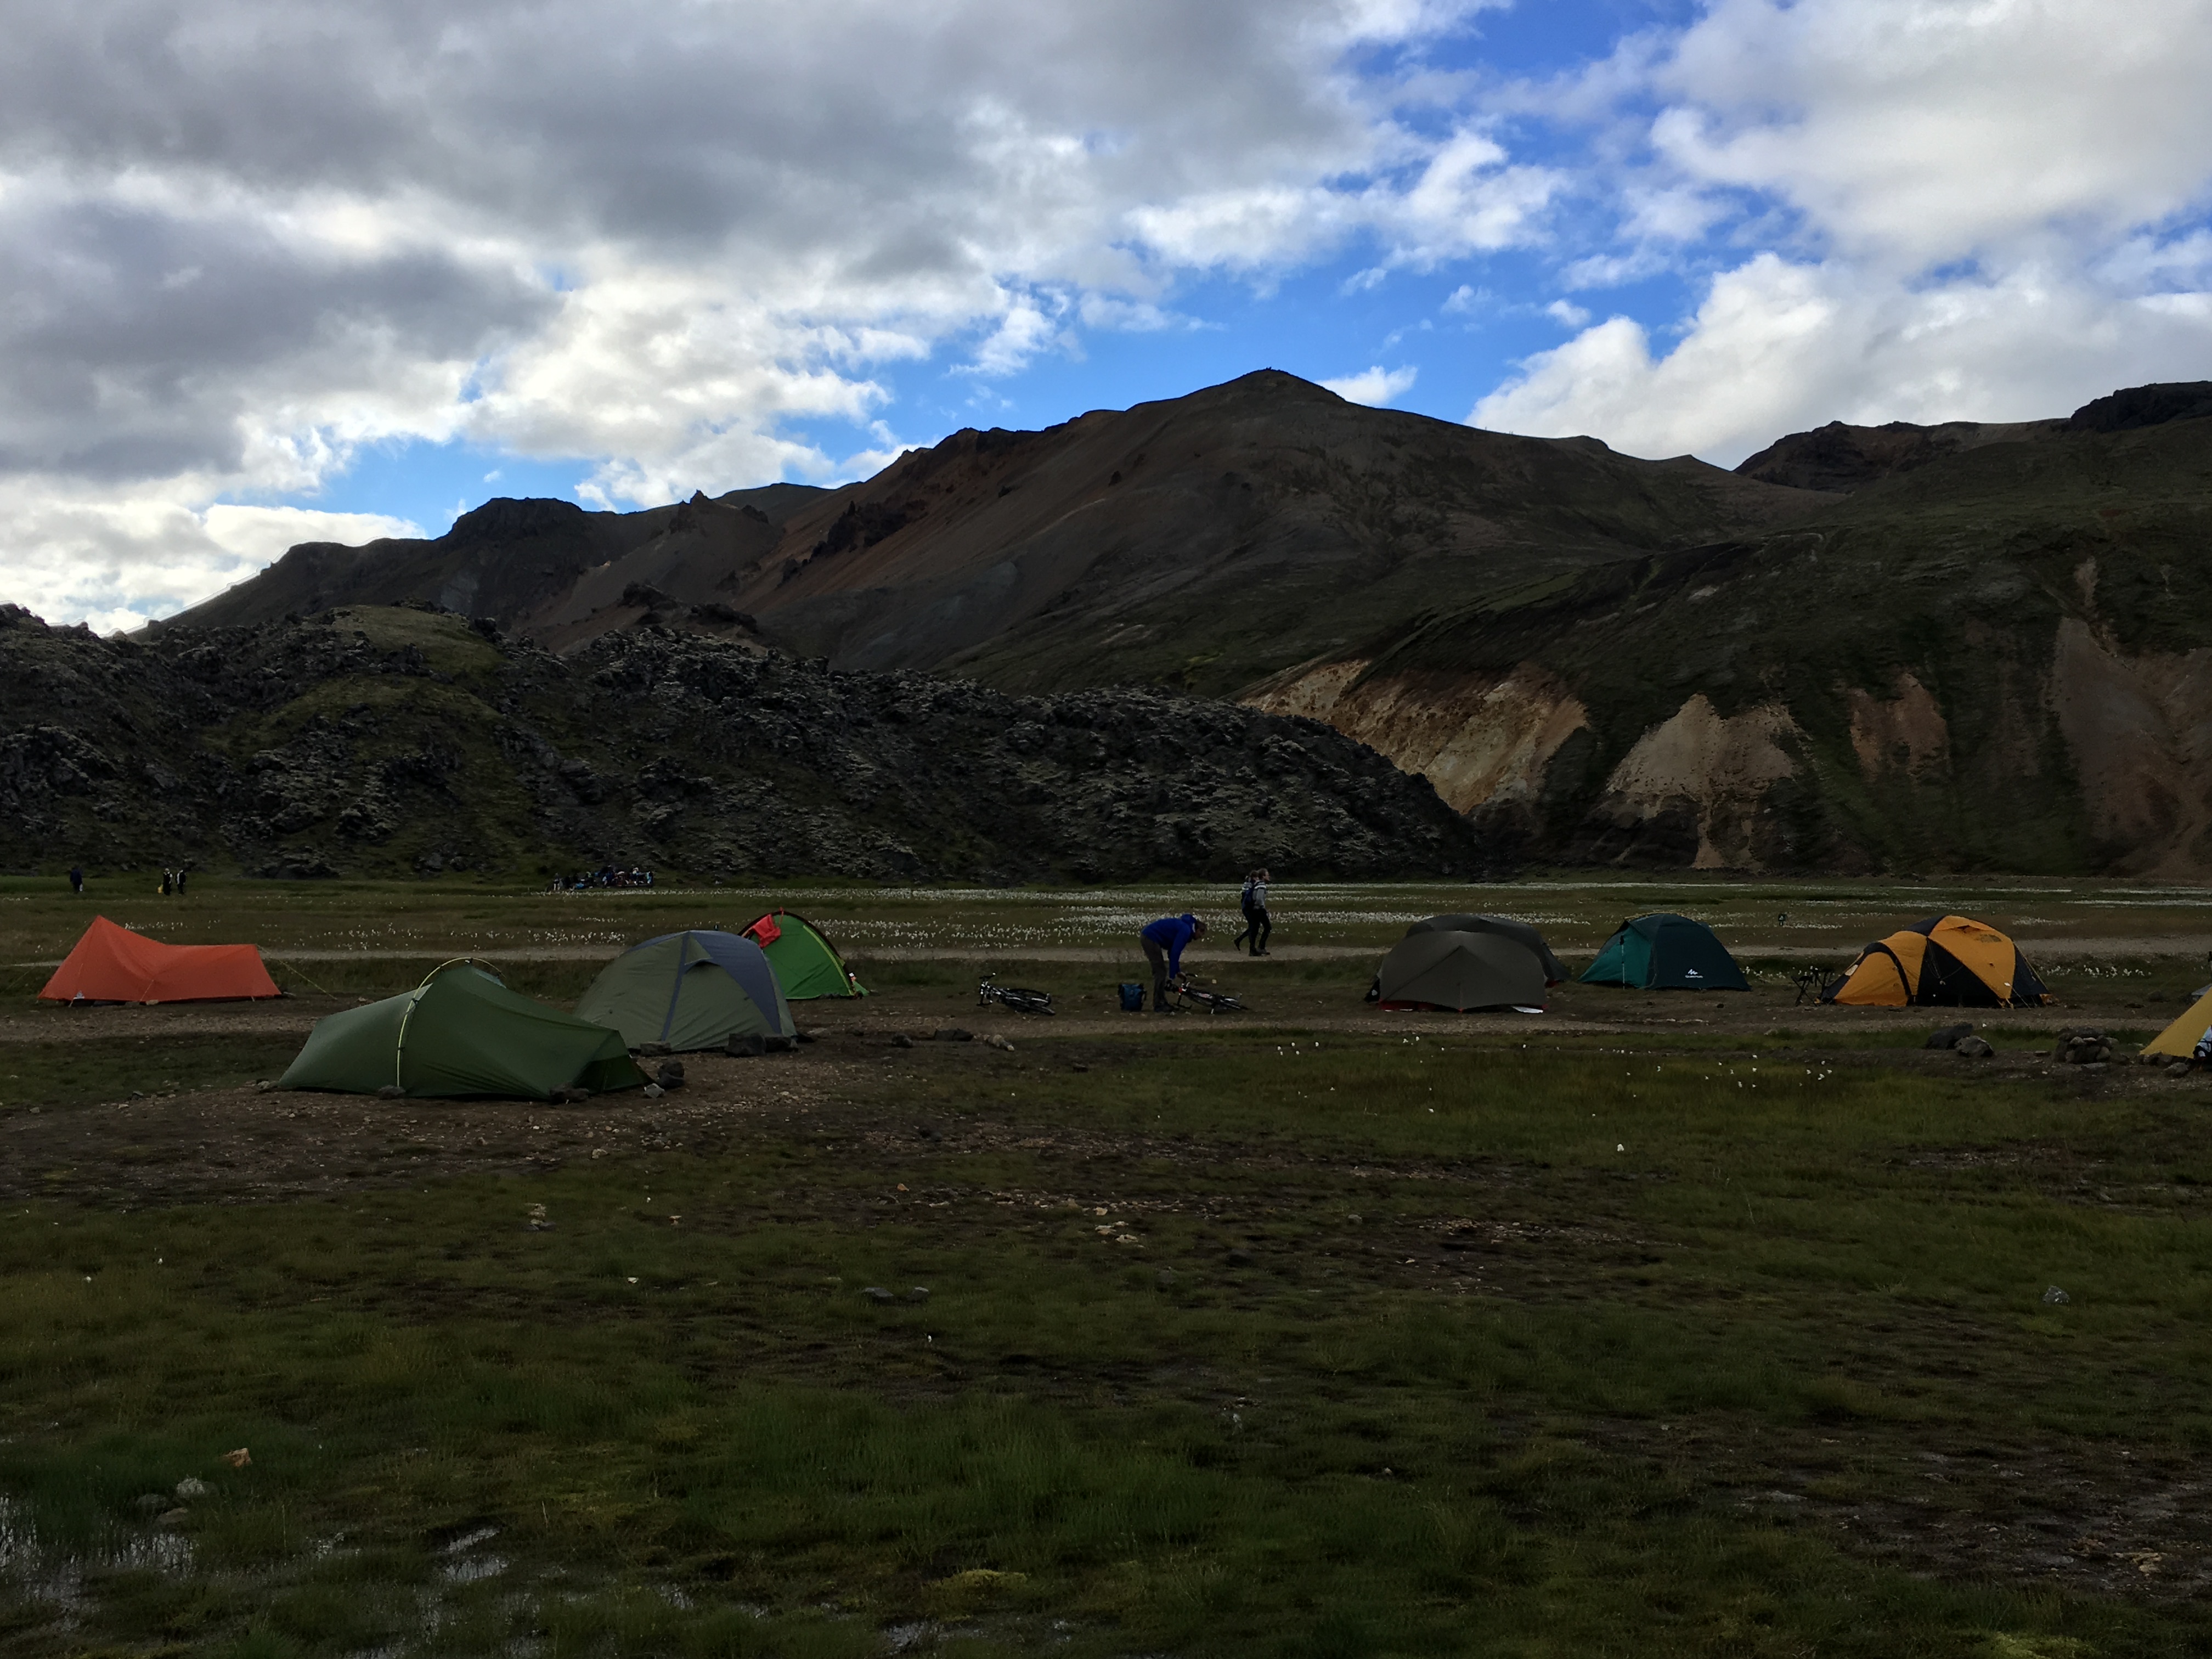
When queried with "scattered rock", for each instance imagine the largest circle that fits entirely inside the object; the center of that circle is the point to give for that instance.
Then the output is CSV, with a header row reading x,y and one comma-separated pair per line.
x,y
2179,1068
263,1086
151,1502
952,1034
239,1459
997,1041
653,1091
652,1050
919,1293
878,1293
1949,1036
173,1517
671,1074
1973,1048
192,1487
571,1097
742,1045
2081,1045
901,1040
389,1092
537,1221
2056,1298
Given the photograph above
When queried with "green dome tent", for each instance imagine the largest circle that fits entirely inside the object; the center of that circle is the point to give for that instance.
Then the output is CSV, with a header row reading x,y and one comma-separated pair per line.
x,y
1663,952
461,1032
692,990
806,964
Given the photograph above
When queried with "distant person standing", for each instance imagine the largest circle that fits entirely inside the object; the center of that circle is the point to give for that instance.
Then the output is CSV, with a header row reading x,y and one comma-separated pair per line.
x,y
1163,941
1253,901
180,883
165,879
76,878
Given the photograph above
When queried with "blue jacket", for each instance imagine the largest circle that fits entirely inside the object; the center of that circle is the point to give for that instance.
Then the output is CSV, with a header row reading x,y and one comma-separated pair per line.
x,y
1171,934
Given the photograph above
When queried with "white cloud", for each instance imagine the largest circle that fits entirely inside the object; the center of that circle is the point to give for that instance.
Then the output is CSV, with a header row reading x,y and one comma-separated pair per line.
x,y
1779,347
1917,209
1568,312
242,239
1922,131
1374,387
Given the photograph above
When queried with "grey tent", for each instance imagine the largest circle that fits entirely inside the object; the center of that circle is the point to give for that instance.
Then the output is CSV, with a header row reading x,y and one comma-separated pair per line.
x,y
1555,971
1464,962
690,990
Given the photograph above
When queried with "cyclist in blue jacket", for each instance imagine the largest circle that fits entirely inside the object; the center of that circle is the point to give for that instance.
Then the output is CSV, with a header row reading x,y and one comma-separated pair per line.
x,y
1163,941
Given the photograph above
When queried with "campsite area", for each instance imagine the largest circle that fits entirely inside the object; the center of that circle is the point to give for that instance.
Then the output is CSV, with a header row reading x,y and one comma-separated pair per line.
x,y
1721,1323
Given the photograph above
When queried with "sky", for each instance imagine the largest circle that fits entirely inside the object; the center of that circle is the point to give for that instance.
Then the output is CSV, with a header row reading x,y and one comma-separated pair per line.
x,y
283,270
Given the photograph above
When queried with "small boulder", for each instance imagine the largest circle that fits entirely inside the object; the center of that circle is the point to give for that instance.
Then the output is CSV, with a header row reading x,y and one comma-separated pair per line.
x,y
192,1487
952,1034
1949,1036
653,1050
2056,1298
901,1040
571,1096
671,1074
390,1091
2179,1068
878,1293
653,1091
919,1293
742,1045
1973,1048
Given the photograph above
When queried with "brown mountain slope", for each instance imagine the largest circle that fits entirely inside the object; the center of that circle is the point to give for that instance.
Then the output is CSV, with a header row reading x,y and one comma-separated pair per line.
x,y
1204,542
2000,660
1209,540
513,558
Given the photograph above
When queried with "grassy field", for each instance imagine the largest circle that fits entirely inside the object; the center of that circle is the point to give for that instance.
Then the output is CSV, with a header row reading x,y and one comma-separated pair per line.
x,y
1661,1326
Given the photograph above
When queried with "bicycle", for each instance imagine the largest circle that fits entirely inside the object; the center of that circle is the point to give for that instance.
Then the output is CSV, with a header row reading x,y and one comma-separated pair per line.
x,y
1014,997
1190,997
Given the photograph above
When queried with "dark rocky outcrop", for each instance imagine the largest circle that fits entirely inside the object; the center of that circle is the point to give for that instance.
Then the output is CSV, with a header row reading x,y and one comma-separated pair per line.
x,y
405,741
2139,406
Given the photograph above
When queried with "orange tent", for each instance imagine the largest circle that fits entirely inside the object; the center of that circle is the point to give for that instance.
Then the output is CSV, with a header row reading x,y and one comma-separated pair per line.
x,y
114,964
1951,960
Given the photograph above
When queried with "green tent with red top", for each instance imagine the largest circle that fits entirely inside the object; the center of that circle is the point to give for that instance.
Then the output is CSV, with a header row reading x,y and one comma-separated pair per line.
x,y
806,964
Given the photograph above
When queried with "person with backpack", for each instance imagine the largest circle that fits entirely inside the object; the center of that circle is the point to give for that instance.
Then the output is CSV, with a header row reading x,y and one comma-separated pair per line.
x,y
1163,941
1253,901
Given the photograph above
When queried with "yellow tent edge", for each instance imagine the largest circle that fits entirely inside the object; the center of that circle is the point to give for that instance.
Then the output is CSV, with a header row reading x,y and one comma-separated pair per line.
x,y
2180,1039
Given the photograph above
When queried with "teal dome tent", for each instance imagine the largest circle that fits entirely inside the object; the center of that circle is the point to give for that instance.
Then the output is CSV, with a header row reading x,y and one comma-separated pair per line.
x,y
1663,952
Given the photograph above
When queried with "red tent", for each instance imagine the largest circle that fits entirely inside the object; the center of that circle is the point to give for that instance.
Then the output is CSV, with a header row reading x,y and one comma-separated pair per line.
x,y
114,964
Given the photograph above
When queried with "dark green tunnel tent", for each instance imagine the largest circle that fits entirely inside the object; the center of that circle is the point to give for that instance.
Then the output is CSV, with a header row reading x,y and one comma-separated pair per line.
x,y
806,964
1462,963
690,990
1666,953
461,1032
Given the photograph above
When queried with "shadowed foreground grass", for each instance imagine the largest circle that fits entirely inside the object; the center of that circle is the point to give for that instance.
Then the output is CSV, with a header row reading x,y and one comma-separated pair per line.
x,y
1407,1350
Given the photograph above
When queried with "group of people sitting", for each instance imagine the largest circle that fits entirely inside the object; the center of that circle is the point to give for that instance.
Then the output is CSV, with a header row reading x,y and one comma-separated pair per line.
x,y
604,876
1164,941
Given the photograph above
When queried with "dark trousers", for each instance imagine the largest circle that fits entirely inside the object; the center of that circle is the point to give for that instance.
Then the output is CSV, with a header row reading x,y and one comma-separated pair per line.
x,y
1158,960
1257,927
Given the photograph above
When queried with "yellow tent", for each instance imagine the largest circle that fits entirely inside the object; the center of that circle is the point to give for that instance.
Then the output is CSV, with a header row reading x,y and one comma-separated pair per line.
x,y
1949,960
2180,1039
